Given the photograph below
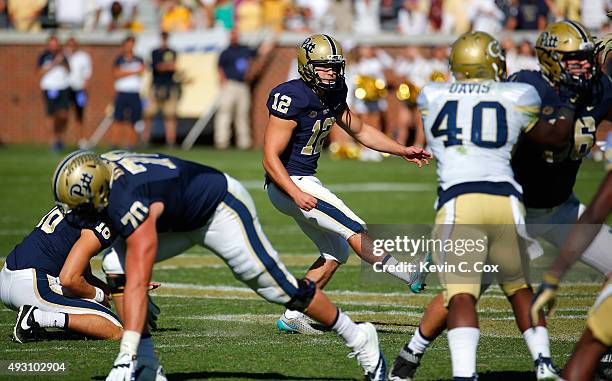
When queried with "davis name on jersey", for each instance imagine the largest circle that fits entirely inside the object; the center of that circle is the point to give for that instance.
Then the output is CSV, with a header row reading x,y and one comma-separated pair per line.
x,y
48,245
472,128
315,115
189,191
548,179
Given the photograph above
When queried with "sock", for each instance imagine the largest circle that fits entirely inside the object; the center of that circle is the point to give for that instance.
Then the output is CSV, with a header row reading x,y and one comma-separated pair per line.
x,y
291,314
463,342
349,331
537,342
402,275
419,343
48,319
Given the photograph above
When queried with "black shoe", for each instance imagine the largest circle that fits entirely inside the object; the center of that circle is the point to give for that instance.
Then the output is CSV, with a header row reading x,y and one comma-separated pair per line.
x,y
25,328
405,365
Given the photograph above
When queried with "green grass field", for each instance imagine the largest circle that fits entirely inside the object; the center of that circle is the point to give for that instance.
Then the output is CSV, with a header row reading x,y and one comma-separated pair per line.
x,y
212,327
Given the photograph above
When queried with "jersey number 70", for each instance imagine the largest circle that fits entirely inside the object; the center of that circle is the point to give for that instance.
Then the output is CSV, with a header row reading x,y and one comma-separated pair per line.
x,y
446,125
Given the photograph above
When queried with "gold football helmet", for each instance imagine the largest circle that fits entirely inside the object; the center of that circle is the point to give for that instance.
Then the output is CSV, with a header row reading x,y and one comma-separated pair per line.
x,y
603,53
477,55
321,50
562,41
82,179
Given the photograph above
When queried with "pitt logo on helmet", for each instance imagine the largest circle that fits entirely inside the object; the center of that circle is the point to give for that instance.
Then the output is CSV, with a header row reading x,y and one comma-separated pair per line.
x,y
321,50
81,178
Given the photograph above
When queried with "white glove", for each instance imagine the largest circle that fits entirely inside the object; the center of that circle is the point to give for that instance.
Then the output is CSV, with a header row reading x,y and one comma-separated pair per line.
x,y
124,368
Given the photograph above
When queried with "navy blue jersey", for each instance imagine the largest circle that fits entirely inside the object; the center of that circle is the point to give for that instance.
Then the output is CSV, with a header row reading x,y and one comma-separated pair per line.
x,y
548,178
48,245
314,114
189,191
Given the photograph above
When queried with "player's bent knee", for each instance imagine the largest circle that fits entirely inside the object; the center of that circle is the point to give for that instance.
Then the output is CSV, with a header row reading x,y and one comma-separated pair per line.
x,y
511,289
301,300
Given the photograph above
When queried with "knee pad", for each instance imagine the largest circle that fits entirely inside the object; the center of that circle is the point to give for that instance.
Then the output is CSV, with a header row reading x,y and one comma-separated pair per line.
x,y
301,300
116,282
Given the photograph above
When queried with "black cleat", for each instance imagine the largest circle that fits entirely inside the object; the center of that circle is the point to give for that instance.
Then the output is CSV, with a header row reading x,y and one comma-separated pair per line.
x,y
405,365
25,328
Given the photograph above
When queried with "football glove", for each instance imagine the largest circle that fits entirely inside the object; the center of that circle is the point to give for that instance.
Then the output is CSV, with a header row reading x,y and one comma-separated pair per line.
x,y
124,368
545,297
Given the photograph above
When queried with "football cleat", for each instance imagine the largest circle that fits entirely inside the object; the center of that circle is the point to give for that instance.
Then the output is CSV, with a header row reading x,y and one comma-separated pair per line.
x,y
300,324
405,365
418,277
26,327
369,356
545,369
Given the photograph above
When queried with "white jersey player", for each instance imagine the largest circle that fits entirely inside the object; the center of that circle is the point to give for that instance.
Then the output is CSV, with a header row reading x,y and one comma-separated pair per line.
x,y
472,125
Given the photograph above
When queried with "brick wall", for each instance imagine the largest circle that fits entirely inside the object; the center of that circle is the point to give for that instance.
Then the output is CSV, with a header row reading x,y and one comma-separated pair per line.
x,y
22,106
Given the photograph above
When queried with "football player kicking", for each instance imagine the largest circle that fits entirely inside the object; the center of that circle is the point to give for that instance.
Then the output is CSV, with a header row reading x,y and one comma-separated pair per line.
x,y
161,206
472,125
302,113
565,54
597,337
47,278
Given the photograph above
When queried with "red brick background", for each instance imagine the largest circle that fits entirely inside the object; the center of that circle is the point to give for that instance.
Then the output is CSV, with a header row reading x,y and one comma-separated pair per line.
x,y
22,106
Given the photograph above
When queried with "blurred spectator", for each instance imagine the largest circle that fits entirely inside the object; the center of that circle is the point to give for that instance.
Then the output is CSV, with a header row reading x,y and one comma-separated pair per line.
x,y
455,19
527,15
295,20
205,15
568,9
342,14
4,17
166,90
127,70
235,95
25,14
412,18
316,13
224,14
389,13
409,129
436,14
511,55
53,69
437,64
176,17
249,16
115,14
368,98
274,13
80,73
71,13
486,16
367,17
526,59
594,14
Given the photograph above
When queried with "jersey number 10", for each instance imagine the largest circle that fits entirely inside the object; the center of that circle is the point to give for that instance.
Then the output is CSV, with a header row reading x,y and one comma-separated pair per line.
x,y
446,125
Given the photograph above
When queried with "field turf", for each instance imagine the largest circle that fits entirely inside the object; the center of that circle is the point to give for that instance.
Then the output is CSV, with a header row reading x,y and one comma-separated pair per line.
x,y
212,327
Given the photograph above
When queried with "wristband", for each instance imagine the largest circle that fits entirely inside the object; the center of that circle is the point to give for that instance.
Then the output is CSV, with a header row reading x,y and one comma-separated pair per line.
x,y
99,295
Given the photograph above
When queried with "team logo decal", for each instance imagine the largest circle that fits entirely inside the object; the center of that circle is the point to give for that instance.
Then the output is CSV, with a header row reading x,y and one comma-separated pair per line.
x,y
313,114
549,40
548,110
308,46
84,188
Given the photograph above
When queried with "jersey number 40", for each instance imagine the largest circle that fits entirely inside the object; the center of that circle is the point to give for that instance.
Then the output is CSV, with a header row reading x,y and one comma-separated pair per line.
x,y
446,125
